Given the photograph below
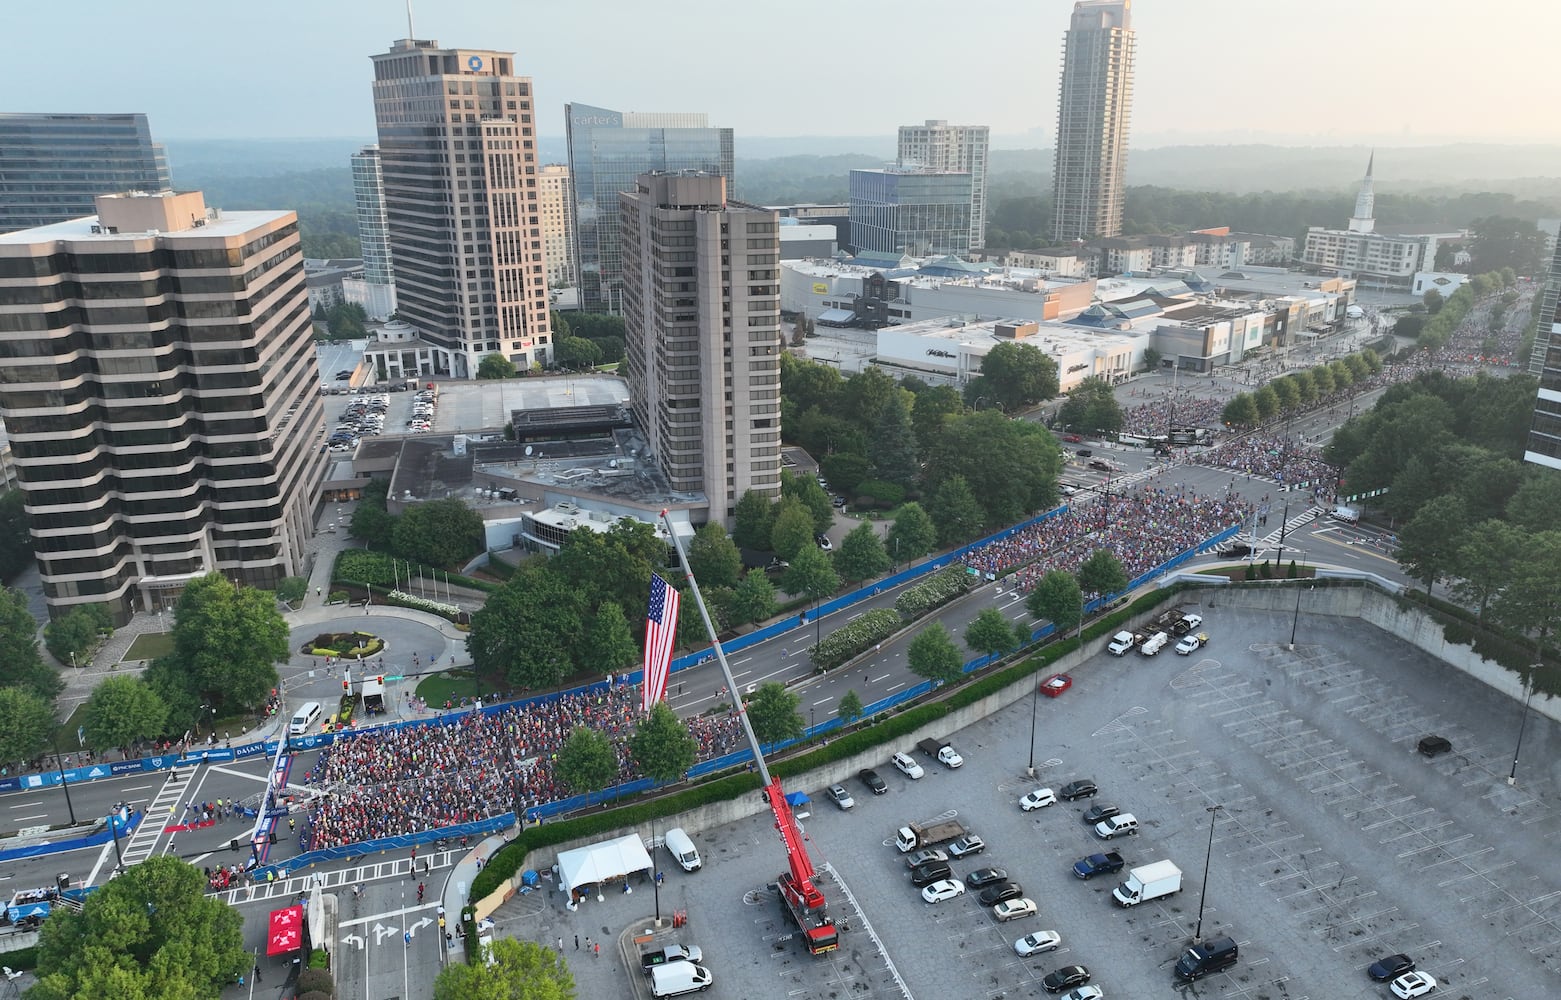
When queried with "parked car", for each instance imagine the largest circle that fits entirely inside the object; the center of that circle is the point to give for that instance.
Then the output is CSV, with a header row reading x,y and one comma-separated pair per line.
x,y
841,797
1073,439
994,894
966,846
1191,643
1080,789
1084,453
1038,799
1084,993
671,953
874,783
908,766
1066,978
1014,909
1390,967
983,877
1102,465
823,542
1430,746
932,871
1412,984
1037,943
925,855
1098,864
937,892
1055,685
1105,810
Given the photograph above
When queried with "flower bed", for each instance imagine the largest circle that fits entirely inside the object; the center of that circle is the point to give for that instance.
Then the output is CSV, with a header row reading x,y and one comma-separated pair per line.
x,y
934,593
347,645
423,604
849,640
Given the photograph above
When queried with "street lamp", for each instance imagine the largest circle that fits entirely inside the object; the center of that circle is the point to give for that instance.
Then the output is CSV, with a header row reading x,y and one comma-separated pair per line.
x,y
1203,894
1296,618
59,762
1035,700
1528,692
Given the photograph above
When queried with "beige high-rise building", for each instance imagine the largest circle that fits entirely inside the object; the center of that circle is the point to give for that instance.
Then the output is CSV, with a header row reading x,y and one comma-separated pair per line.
x,y
702,332
1094,106
457,153
937,145
555,201
161,394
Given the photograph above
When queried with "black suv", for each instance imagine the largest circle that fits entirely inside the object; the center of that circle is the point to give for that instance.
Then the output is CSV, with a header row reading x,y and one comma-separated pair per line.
x,y
1081,789
932,871
993,895
874,783
1094,814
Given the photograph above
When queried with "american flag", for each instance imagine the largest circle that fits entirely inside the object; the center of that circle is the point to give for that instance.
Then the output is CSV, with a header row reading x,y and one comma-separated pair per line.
x,y
661,623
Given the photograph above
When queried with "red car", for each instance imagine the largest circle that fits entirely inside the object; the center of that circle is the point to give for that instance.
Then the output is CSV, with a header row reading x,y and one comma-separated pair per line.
x,y
1055,685
1073,439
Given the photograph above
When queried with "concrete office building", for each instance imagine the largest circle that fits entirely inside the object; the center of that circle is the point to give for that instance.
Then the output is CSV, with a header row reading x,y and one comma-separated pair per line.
x,y
52,166
457,152
1094,104
1377,259
608,151
702,331
913,212
555,200
375,289
937,145
161,393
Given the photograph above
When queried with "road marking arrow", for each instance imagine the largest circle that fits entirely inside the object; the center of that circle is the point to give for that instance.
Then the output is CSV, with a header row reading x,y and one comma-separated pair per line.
x,y
381,932
418,925
354,940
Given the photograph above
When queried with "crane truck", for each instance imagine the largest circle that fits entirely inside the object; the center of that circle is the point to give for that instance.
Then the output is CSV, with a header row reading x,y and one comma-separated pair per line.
x,y
800,897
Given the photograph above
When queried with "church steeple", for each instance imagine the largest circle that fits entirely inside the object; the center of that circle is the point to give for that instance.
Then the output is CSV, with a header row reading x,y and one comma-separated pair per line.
x,y
1365,199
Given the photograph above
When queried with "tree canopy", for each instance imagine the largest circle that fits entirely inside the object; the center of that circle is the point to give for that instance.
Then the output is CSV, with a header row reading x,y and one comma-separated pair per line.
x,y
662,746
1057,599
587,762
519,970
122,710
861,555
495,365
1011,466
773,712
1014,375
933,655
226,643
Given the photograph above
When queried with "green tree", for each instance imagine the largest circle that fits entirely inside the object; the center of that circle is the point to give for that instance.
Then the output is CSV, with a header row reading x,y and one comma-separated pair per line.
x,y
24,668
1152,359
371,521
892,448
122,710
527,628
26,722
753,599
1531,600
1285,389
577,353
1533,507
1011,465
16,542
989,632
1304,384
861,555
1484,562
865,395
1267,402
661,745
1091,408
849,707
292,589
1343,376
754,519
150,933
1433,301
71,637
1428,544
1322,375
933,655
226,643
1241,411
912,535
614,565
519,970
811,575
494,366
438,532
1015,375
713,557
773,711
793,531
956,512
1506,242
691,631
609,641
1102,574
348,321
845,470
587,762
933,405
806,490
1057,599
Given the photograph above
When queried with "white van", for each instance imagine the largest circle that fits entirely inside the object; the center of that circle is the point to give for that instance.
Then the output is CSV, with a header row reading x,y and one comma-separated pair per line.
x,y
1349,515
682,850
305,719
674,978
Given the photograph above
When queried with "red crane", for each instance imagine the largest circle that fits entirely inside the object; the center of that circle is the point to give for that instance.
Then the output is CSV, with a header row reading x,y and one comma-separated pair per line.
x,y
800,897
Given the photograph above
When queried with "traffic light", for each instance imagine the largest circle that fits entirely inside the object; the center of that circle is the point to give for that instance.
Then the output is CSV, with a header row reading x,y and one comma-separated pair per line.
x,y
380,679
345,686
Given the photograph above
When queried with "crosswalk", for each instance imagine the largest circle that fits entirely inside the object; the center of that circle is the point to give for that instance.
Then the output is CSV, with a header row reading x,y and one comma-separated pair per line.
x,y
142,844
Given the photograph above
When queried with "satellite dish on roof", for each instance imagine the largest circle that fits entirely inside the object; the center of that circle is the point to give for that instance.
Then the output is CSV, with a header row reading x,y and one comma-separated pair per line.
x,y
528,449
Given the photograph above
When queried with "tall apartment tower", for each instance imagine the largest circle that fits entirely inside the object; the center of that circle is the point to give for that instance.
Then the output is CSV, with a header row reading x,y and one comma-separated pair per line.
x,y
457,151
608,151
376,290
160,389
555,198
915,212
52,166
702,332
937,145
1544,438
1093,108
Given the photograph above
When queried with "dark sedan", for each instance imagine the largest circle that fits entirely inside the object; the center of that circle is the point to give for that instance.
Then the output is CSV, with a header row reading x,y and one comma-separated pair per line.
x,y
1065,978
874,783
1081,789
992,895
983,877
1094,814
1390,968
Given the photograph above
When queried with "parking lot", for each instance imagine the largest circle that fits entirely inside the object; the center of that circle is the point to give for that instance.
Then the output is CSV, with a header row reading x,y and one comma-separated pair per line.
x,y
1334,843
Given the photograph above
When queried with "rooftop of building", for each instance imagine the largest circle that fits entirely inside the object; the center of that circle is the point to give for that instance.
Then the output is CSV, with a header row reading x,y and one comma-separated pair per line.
x,y
931,272
207,223
1056,339
1267,281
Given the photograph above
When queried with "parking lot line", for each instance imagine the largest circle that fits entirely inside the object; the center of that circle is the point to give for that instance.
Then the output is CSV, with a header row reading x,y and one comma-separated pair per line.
x,y
1455,860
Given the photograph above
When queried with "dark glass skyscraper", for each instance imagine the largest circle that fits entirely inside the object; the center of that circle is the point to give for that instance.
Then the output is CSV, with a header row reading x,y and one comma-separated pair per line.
x,y
608,151
52,166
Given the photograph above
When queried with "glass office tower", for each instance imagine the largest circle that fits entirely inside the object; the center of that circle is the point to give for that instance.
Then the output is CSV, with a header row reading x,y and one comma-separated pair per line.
x,y
52,166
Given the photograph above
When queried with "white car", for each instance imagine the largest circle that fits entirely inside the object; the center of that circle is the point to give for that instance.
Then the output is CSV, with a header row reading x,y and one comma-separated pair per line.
x,y
968,844
1035,944
1090,992
1038,799
1013,909
908,766
947,888
1412,984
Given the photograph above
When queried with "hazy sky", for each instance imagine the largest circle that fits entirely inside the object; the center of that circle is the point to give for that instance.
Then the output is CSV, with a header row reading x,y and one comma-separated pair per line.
x,y
1384,72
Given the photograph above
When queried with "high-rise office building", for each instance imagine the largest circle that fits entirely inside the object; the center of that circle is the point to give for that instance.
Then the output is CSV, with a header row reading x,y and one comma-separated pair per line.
x,y
1544,438
555,198
702,335
937,145
52,166
608,151
457,152
161,393
912,212
375,291
1094,104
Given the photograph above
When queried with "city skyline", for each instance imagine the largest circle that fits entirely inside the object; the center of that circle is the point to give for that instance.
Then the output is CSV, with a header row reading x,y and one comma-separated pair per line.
x,y
209,92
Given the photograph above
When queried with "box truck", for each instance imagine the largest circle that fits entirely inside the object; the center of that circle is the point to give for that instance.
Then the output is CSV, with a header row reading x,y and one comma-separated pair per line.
x,y
1148,882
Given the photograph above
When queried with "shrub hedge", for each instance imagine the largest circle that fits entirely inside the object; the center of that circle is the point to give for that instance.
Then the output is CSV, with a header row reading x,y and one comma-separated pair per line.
x,y
934,592
855,637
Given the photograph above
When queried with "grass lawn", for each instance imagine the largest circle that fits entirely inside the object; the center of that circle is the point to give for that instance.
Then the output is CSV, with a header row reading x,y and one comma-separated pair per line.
x,y
452,686
149,646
